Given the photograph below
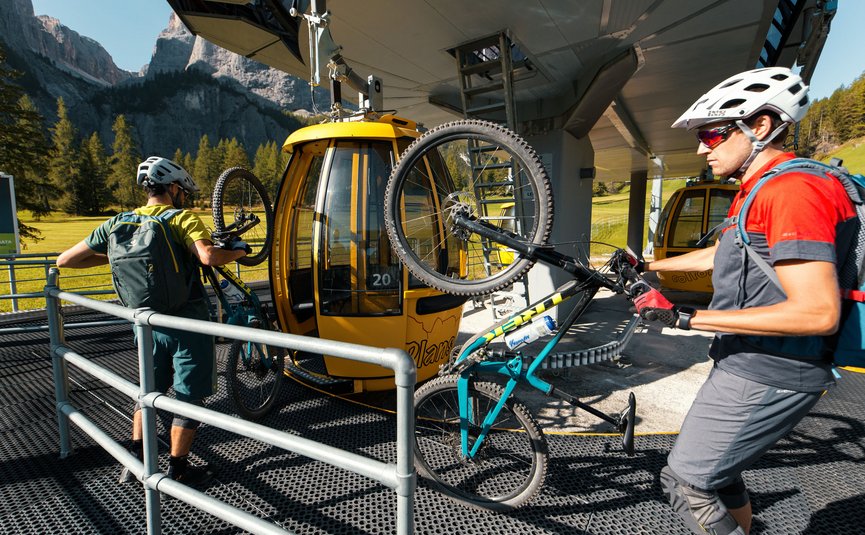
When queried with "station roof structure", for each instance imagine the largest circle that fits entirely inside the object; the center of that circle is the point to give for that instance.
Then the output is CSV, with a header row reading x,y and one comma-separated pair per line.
x,y
618,71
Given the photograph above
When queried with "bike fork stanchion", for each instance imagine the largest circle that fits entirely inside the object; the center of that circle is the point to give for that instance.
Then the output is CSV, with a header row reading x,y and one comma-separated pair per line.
x,y
144,333
58,363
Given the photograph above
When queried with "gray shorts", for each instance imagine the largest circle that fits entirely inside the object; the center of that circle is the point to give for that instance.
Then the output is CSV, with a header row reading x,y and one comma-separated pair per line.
x,y
732,422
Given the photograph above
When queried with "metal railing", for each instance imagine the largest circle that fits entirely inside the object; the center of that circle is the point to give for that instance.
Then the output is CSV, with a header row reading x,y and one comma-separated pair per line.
x,y
35,268
400,477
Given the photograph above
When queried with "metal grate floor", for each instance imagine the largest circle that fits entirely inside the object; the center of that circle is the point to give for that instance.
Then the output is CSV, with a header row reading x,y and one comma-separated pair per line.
x,y
813,482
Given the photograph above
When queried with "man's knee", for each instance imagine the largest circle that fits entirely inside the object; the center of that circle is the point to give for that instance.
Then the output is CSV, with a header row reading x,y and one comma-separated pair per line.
x,y
702,510
184,421
734,495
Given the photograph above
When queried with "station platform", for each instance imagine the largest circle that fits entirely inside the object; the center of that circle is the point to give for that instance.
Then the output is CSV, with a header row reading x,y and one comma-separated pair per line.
x,y
813,482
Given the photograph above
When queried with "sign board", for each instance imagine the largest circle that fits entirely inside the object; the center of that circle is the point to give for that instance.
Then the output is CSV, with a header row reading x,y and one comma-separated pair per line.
x,y
9,241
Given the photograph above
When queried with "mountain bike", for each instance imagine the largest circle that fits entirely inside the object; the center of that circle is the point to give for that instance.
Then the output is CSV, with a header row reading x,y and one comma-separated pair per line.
x,y
241,209
476,441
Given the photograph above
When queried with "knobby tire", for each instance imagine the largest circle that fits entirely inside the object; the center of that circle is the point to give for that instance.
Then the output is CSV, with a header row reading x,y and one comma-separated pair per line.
x,y
509,468
236,194
254,385
429,255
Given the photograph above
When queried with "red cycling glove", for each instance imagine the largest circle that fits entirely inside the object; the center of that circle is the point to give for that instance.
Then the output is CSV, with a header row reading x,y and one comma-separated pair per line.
x,y
653,306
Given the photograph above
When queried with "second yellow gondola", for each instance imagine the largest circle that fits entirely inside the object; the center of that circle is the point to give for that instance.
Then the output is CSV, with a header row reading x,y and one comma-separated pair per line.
x,y
690,214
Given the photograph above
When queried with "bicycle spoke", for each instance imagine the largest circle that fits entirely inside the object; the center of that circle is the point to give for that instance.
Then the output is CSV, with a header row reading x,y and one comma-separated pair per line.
x,y
510,463
255,375
476,170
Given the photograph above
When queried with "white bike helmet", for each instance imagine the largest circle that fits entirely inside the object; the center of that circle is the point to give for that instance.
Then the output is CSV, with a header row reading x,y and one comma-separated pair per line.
x,y
775,89
158,170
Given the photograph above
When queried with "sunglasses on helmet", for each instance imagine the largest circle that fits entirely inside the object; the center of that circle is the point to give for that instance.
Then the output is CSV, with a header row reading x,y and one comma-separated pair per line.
x,y
715,136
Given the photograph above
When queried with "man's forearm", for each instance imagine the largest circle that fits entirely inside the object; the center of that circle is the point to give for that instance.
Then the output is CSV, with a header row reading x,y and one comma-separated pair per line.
x,y
699,260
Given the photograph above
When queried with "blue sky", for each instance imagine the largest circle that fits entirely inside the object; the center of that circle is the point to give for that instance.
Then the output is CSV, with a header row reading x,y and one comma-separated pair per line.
x,y
128,30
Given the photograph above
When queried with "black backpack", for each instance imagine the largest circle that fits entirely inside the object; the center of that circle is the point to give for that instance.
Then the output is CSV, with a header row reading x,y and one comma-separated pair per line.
x,y
148,267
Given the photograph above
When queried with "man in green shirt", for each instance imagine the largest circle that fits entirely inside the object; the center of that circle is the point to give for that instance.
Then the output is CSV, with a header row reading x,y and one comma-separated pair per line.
x,y
184,360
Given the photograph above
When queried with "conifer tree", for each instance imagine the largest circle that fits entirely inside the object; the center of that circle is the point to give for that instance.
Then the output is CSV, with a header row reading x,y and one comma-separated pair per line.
x,y
65,164
235,155
855,109
269,164
203,168
23,146
188,163
23,150
217,160
262,164
124,164
25,156
95,174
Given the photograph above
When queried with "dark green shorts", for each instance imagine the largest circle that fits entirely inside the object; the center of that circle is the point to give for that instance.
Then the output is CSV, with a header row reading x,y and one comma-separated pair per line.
x,y
185,360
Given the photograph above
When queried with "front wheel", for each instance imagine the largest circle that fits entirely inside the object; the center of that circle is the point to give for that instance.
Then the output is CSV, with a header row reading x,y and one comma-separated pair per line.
x,y
475,170
255,377
509,467
242,205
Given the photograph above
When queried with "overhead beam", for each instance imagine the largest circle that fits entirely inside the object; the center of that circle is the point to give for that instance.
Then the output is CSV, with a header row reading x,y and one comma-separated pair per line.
x,y
604,87
618,114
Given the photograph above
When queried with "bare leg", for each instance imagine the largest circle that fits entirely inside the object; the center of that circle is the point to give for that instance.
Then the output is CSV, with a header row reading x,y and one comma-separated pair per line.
x,y
137,433
742,515
181,440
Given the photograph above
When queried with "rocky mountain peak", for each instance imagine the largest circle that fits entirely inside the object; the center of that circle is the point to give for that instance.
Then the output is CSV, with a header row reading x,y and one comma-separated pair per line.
x,y
191,84
81,56
176,50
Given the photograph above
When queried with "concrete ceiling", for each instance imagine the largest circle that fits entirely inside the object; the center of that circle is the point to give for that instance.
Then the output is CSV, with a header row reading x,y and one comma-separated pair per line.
x,y
621,70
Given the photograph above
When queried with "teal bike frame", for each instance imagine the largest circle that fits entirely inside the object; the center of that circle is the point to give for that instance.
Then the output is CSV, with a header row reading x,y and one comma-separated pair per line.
x,y
511,365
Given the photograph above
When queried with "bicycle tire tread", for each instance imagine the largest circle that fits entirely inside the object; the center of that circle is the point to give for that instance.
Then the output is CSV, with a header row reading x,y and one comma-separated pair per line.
x,y
536,174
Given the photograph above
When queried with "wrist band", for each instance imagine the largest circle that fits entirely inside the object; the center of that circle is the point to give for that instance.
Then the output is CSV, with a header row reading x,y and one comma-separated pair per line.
x,y
684,320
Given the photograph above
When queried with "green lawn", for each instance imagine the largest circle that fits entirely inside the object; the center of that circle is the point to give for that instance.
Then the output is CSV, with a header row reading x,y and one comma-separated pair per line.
x,y
609,216
59,232
853,154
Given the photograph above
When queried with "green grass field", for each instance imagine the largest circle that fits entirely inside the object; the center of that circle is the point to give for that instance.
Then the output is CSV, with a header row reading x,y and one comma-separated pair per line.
x,y
609,217
853,154
59,232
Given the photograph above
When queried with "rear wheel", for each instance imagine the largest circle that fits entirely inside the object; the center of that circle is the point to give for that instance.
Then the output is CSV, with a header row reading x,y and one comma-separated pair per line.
x,y
510,466
242,205
482,171
255,377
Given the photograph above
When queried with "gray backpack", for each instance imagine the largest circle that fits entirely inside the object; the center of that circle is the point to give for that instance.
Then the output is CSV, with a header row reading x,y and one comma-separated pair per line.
x,y
148,267
848,344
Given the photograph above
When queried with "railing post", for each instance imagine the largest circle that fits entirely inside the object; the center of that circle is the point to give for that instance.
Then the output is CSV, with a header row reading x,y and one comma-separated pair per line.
x,y
13,287
405,376
144,336
58,363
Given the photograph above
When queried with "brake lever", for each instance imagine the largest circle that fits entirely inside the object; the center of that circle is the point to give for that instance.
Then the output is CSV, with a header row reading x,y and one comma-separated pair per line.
x,y
637,288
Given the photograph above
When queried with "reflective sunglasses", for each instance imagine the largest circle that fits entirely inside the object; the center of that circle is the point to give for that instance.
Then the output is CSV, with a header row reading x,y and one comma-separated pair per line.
x,y
715,136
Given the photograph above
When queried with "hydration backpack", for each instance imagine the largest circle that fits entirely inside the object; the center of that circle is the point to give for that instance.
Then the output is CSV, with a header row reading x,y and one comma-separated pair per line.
x,y
148,267
848,344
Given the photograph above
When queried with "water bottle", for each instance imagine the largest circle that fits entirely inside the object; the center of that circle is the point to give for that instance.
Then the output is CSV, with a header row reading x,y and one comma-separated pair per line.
x,y
525,335
232,294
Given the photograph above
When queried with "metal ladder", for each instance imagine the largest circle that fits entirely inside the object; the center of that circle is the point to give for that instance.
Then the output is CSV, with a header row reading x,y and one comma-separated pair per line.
x,y
486,74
